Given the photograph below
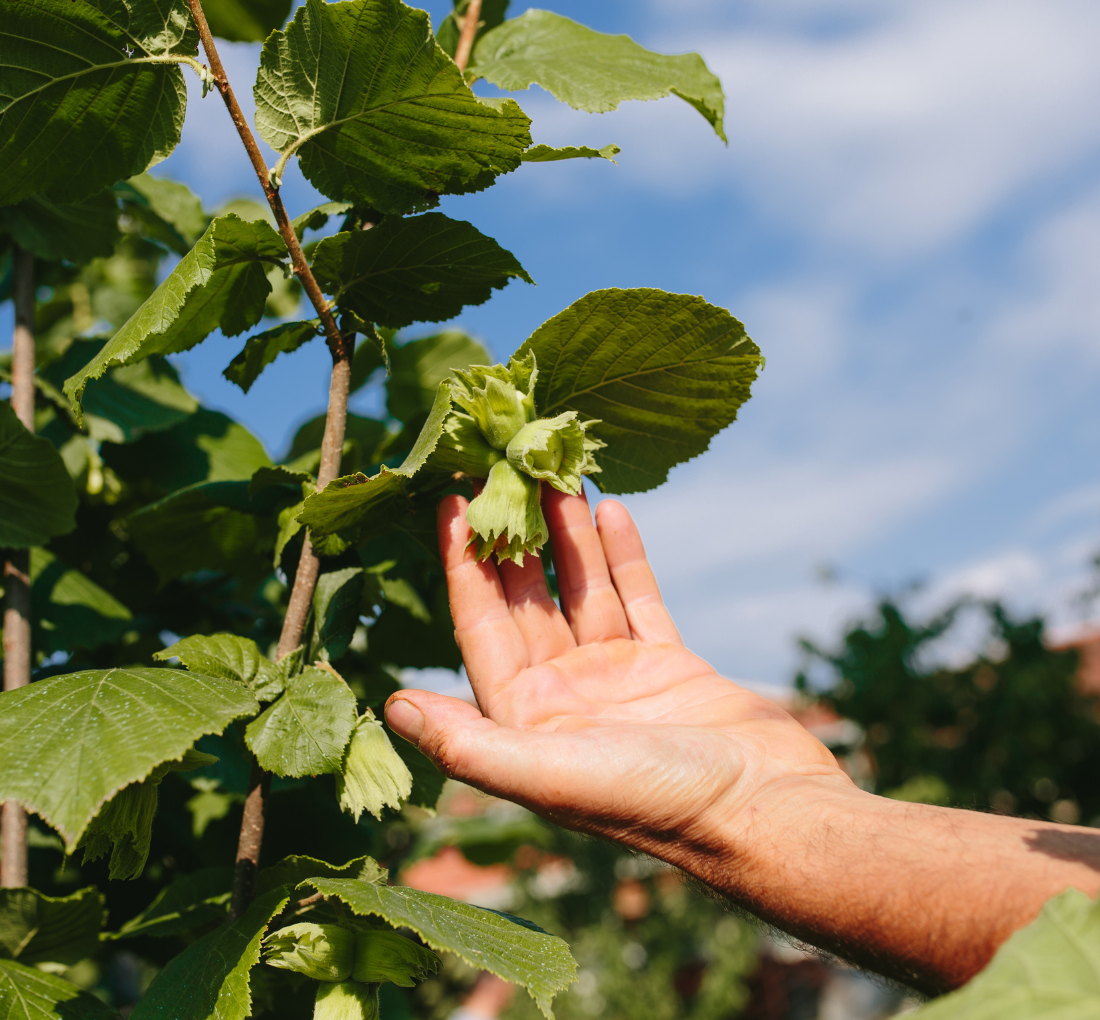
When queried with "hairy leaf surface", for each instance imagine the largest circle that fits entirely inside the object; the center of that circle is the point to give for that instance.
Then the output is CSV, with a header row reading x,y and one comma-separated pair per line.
x,y
516,951
36,928
305,732
590,70
372,503
376,112
1050,969
209,979
220,284
662,372
70,743
37,498
89,92
423,269
28,994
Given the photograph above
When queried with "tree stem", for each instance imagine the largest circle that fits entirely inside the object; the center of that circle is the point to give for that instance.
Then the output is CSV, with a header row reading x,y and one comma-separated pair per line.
x,y
17,585
469,32
341,348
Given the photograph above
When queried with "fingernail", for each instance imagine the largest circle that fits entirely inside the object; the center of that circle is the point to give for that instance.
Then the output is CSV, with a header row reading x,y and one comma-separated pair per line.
x,y
406,719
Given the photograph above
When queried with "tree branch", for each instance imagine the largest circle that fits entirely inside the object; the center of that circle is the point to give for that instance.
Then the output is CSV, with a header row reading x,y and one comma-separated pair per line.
x,y
469,33
332,445
17,585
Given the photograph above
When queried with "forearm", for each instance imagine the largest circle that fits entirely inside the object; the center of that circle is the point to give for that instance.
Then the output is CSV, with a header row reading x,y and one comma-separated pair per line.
x,y
922,894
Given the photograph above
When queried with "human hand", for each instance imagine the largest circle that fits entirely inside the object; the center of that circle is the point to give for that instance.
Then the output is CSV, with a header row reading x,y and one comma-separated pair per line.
x,y
596,715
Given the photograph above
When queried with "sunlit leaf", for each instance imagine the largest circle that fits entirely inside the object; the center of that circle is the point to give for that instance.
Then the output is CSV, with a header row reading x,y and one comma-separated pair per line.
x,y
305,732
1049,970
69,743
209,979
518,952
378,114
91,93
29,994
220,284
548,154
590,70
663,373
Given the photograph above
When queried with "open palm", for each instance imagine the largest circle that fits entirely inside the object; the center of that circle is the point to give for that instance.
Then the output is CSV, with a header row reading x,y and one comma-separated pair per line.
x,y
595,714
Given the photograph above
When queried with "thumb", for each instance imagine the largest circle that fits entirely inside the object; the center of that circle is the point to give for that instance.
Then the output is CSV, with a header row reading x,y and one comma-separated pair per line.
x,y
467,746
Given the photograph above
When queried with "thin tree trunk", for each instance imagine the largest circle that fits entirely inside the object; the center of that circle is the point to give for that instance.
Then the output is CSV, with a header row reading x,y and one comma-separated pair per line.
x,y
332,445
17,586
469,32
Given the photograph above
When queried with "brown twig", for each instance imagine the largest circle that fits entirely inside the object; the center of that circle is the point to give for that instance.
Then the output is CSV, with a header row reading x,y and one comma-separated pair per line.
x,y
468,34
17,583
332,445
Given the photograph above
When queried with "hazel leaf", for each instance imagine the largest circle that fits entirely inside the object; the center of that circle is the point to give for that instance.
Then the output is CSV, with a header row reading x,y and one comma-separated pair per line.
x,y
376,112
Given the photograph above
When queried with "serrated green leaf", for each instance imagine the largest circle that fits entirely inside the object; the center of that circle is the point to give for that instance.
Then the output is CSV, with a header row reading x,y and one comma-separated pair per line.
x,y
263,348
369,503
548,154
228,656
419,269
662,372
91,92
492,14
316,218
29,994
373,776
212,526
37,498
206,446
36,928
305,732
246,20
1049,970
336,602
209,979
129,401
417,369
191,901
70,610
488,940
78,232
220,284
378,114
69,743
590,70
165,210
295,869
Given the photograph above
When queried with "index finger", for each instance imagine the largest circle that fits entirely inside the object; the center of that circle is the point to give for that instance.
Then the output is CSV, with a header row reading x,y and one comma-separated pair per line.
x,y
491,644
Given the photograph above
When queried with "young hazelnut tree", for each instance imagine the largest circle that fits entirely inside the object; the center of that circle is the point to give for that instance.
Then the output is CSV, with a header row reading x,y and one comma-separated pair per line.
x,y
280,601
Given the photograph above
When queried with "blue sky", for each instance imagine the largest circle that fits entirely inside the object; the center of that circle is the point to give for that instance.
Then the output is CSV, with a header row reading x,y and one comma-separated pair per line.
x,y
907,219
